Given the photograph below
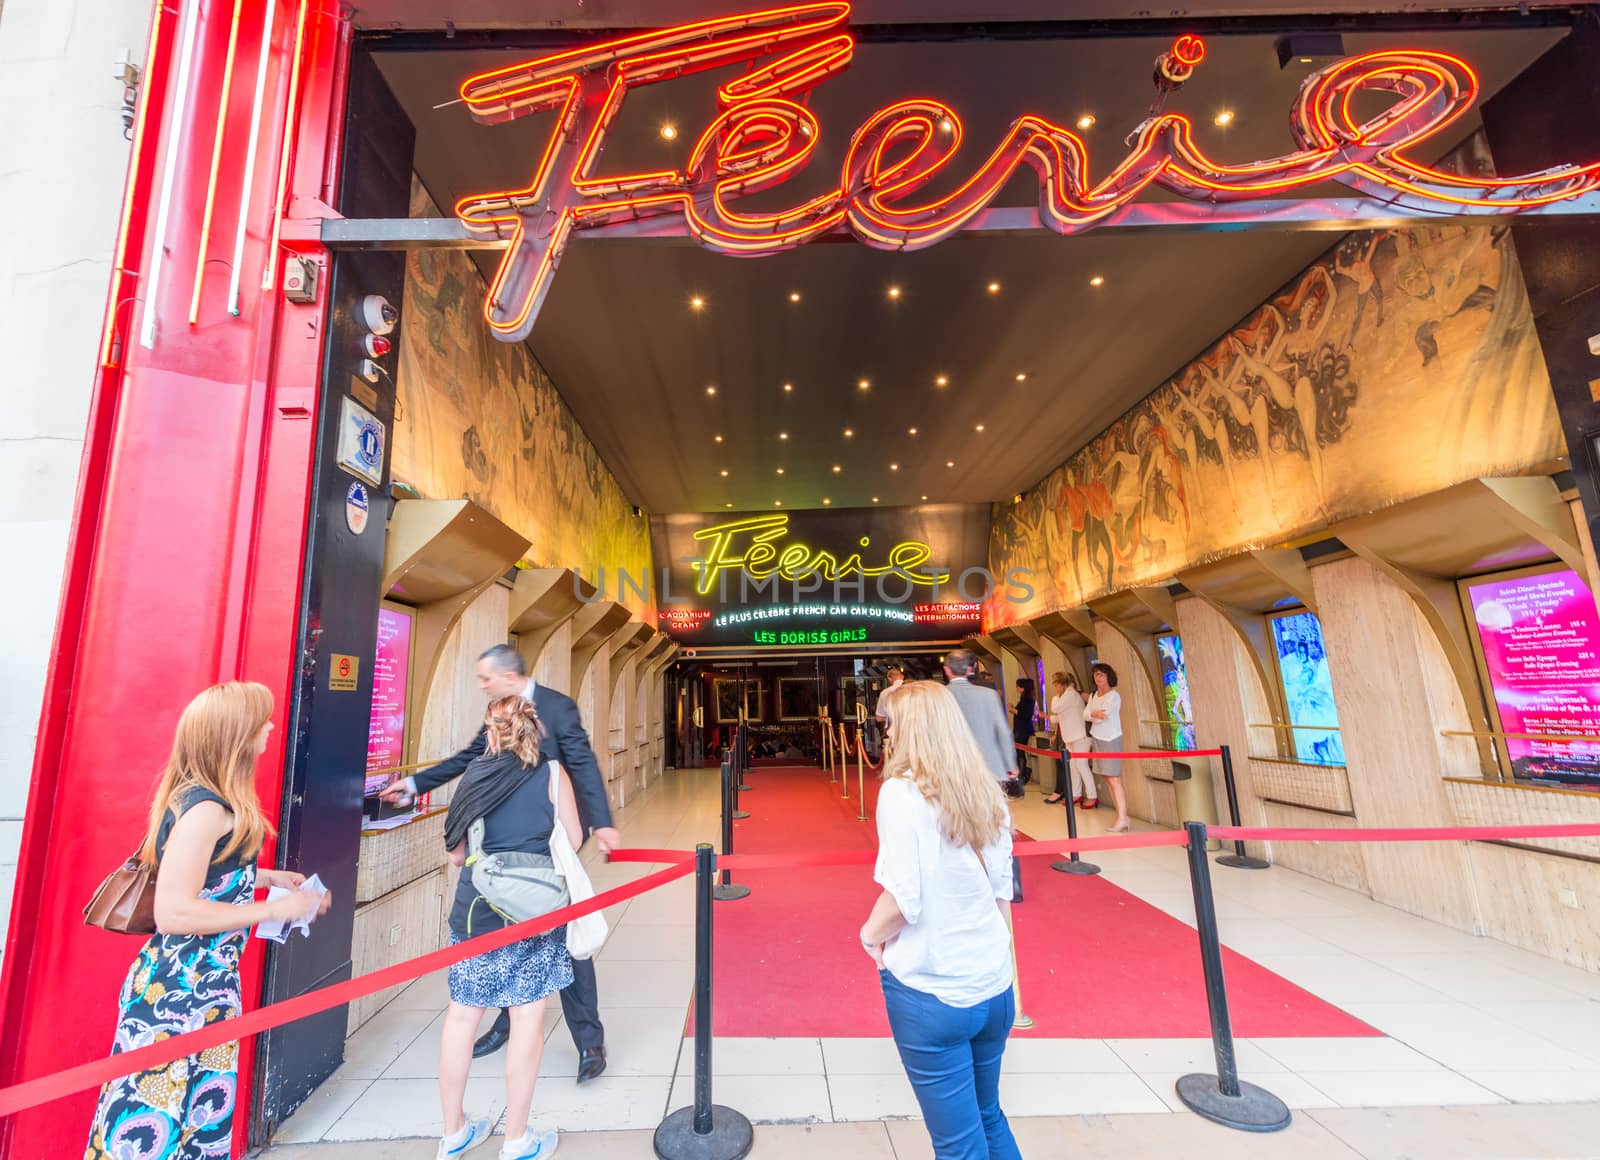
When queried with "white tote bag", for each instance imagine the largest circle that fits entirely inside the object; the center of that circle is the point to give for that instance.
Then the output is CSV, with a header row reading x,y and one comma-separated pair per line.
x,y
586,935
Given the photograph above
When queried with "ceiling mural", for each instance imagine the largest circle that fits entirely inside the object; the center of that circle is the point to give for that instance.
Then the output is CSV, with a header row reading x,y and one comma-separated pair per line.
x,y
480,419
1400,363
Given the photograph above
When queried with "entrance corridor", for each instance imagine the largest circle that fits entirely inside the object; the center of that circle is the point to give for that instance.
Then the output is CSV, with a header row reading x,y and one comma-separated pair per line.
x,y
1471,1029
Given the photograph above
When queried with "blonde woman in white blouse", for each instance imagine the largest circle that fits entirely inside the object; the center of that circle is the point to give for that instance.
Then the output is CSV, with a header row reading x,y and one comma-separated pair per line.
x,y
939,932
1103,714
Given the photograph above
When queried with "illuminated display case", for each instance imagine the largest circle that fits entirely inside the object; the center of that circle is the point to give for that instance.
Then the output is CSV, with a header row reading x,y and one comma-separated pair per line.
x,y
1536,639
391,676
1302,663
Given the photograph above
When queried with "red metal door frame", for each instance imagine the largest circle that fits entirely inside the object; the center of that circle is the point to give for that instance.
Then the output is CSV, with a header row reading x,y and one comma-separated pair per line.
x,y
186,554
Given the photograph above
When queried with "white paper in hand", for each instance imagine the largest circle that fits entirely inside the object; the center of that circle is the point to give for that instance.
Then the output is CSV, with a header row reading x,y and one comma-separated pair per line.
x,y
278,930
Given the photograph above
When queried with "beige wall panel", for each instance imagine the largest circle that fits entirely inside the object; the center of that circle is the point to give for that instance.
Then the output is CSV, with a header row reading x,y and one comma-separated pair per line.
x,y
454,706
553,669
1342,863
1138,702
1377,656
397,927
1540,902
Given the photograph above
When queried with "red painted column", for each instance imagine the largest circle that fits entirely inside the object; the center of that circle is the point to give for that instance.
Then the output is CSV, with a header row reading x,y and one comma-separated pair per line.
x,y
186,554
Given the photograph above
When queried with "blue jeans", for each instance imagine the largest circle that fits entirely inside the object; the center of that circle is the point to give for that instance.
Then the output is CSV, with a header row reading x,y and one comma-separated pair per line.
x,y
952,1057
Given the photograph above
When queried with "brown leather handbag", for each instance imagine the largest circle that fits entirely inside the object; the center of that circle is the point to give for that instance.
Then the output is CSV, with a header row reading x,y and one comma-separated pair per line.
x,y
126,900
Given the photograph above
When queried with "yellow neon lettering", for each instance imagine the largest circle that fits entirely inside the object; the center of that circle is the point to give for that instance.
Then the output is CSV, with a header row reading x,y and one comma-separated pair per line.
x,y
760,557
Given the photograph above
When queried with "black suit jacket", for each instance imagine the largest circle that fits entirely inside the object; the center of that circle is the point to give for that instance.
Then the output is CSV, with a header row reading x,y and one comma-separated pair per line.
x,y
565,740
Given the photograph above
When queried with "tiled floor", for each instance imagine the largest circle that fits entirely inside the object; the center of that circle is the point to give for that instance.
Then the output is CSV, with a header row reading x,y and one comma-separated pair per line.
x,y
1469,1023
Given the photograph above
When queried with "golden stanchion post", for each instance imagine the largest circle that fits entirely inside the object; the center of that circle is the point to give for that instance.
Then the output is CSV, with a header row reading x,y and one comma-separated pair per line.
x,y
1021,1021
844,762
861,774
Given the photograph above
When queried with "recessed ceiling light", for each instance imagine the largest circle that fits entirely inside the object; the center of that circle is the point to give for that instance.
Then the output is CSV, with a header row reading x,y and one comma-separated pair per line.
x,y
924,499
942,381
697,303
727,505
780,471
874,499
777,503
913,431
794,296
724,472
863,384
711,390
1022,376
949,462
894,292
1224,118
669,131
1098,280
788,387
826,500
1086,121
979,427
837,469
716,439
994,287
894,467
849,432
783,434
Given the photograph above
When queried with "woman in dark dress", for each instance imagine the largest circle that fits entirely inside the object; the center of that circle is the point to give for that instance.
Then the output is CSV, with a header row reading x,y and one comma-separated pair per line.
x,y
206,828
510,791
1022,714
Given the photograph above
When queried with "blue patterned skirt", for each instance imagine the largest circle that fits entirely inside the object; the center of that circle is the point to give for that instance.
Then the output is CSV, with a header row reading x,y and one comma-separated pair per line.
x,y
523,972
184,1110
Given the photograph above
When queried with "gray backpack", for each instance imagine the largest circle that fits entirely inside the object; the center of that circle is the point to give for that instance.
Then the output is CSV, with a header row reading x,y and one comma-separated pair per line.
x,y
516,886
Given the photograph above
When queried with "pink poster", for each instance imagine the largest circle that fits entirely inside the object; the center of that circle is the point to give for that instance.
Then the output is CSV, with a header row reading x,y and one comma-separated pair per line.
x,y
386,736
1541,646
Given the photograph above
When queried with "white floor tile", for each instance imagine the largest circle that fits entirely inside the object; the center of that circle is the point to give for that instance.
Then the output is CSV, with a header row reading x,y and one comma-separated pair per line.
x,y
1463,1038
733,1057
629,984
1399,1089
610,1103
640,1041
382,1039
1572,1025
420,1060
765,1099
429,993
1076,1094
393,1109
1343,977
845,1057
321,1111
873,1097
1185,1055
1059,1056
1541,1087
1346,1054
1472,979
645,943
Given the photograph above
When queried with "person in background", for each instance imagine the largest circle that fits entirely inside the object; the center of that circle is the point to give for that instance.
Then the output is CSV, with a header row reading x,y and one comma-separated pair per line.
x,y
1103,714
1071,736
939,932
884,710
508,788
1022,714
205,830
986,717
501,673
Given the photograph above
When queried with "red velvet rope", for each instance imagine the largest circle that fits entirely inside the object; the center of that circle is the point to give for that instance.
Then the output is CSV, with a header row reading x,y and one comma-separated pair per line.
x,y
1409,834
31,1093
1142,755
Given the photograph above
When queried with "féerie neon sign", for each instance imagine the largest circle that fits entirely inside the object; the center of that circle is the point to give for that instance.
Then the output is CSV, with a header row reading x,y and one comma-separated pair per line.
x,y
749,546
763,135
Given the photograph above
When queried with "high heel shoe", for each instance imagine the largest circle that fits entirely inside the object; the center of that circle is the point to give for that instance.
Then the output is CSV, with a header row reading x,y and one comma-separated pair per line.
x,y
1054,799
1092,804
1078,801
1120,829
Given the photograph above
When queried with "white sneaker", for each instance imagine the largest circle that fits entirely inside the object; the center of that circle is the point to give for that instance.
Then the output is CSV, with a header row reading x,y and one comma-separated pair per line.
x,y
533,1146
473,1133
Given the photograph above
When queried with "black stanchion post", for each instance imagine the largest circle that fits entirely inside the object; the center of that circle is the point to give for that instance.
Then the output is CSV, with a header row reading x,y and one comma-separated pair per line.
x,y
744,758
1224,1097
737,772
1239,860
704,1131
1072,864
727,889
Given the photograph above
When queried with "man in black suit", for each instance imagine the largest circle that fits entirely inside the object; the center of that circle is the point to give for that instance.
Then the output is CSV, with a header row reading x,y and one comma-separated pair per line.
x,y
502,673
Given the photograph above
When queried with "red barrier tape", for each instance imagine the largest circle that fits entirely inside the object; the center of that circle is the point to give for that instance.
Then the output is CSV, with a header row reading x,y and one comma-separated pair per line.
x,y
1142,755
1414,834
31,1093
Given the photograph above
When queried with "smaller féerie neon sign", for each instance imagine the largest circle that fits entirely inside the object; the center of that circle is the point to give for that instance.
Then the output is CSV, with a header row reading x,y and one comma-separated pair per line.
x,y
763,135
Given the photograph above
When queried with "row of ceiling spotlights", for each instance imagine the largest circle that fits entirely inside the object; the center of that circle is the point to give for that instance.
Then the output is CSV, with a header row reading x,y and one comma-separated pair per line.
x,y
893,292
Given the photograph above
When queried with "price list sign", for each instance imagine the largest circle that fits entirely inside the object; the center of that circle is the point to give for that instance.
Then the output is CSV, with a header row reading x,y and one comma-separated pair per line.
x,y
1541,646
386,735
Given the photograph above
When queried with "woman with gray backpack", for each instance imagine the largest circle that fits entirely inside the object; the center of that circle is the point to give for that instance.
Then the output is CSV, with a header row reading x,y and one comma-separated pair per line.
x,y
507,828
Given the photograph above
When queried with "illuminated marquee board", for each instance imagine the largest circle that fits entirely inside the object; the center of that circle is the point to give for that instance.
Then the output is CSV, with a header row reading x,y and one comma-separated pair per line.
x,y
810,578
764,133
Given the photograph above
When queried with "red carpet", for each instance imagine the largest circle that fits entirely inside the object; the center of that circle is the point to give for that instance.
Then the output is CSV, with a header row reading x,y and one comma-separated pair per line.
x,y
1096,961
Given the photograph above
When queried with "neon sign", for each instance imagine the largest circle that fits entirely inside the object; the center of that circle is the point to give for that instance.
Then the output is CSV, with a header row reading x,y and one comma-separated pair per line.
x,y
748,546
763,134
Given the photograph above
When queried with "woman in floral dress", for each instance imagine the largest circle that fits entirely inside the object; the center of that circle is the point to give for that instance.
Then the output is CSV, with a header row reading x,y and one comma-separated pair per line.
x,y
206,829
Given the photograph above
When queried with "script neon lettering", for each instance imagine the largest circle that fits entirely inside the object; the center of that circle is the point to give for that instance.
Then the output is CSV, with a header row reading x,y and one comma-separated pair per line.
x,y
763,134
759,557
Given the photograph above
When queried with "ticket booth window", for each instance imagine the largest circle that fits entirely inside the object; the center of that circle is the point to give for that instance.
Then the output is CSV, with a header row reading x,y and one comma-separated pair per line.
x,y
1177,708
